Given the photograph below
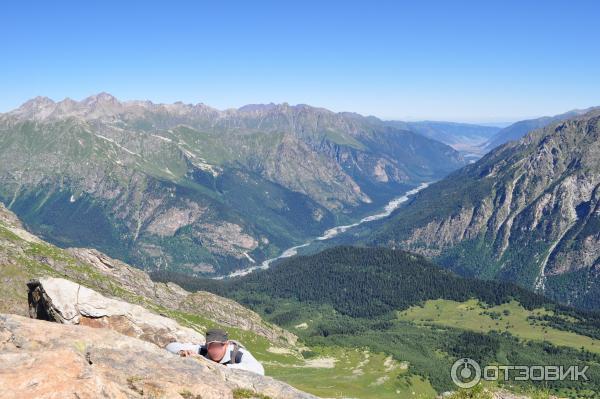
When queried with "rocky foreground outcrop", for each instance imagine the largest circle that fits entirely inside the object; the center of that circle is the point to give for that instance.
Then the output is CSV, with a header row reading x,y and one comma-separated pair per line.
x,y
66,302
41,359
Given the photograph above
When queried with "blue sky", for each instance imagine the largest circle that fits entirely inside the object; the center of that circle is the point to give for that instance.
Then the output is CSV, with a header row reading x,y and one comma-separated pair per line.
x,y
465,61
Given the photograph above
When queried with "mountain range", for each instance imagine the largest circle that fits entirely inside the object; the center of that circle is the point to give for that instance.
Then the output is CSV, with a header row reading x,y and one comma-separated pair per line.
x,y
197,189
205,192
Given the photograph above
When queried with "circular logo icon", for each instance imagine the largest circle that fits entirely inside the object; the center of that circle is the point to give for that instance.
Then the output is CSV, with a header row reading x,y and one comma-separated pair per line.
x,y
465,373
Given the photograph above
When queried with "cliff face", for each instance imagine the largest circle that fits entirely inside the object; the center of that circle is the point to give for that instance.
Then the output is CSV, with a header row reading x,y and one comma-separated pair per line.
x,y
197,189
527,212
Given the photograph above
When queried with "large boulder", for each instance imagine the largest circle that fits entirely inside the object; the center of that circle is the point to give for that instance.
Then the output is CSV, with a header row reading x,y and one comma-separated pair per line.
x,y
66,302
39,359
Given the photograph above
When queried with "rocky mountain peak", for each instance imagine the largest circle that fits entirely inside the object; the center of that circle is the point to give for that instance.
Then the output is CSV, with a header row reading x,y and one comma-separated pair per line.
x,y
38,101
36,108
44,108
281,108
257,108
100,98
105,105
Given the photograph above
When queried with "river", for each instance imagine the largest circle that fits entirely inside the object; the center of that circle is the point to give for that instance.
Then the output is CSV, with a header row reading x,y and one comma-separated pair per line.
x,y
334,231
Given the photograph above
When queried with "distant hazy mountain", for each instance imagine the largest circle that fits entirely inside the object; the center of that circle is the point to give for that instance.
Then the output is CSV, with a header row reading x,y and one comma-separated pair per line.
x,y
521,128
197,189
464,137
528,212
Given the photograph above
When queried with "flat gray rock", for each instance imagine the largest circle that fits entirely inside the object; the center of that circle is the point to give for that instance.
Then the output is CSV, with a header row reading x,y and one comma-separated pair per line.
x,y
66,302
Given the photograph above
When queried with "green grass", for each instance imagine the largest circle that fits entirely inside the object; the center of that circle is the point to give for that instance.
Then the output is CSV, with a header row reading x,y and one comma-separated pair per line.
x,y
510,317
9,235
246,393
355,372
343,139
337,372
477,392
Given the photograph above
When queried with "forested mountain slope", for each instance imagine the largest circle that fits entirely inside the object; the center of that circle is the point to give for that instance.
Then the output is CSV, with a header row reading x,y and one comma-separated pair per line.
x,y
528,212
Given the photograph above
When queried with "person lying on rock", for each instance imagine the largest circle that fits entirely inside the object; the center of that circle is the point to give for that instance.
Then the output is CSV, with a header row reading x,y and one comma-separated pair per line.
x,y
219,349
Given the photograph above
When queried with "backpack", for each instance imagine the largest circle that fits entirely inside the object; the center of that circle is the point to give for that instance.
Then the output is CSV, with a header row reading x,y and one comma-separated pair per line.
x,y
235,356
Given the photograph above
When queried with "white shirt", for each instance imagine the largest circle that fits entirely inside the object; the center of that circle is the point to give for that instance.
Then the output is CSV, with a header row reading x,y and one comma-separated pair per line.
x,y
248,362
